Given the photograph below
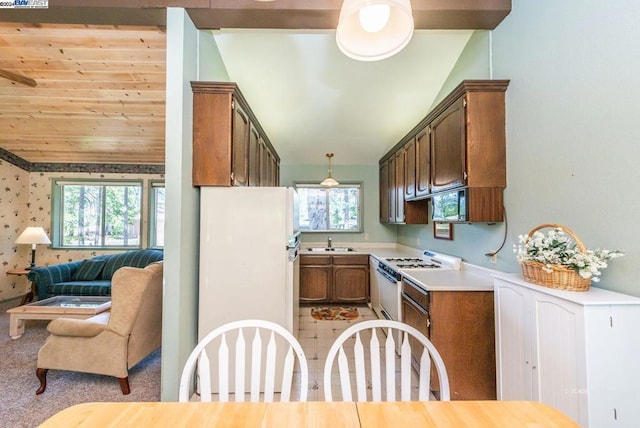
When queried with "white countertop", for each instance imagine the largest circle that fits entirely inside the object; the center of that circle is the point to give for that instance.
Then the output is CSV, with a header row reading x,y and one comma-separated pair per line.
x,y
593,296
378,251
449,280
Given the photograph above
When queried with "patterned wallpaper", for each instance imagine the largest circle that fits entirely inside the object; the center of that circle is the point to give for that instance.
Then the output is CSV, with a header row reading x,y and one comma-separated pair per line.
x,y
14,208
25,200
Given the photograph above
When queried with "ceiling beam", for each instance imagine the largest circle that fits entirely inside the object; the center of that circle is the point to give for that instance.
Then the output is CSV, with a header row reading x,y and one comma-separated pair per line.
x,y
324,14
279,14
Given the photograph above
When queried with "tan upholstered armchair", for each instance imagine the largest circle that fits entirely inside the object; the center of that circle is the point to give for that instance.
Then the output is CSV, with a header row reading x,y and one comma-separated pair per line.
x,y
112,342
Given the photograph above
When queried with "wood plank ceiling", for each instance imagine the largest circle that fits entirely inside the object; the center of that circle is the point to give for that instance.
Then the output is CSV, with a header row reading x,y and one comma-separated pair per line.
x,y
100,94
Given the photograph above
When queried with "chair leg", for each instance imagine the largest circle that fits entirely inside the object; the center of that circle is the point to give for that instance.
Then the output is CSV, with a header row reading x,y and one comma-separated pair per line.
x,y
124,385
42,376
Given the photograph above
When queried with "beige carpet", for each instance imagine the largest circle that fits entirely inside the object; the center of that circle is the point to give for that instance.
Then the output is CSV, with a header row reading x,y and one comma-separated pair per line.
x,y
19,404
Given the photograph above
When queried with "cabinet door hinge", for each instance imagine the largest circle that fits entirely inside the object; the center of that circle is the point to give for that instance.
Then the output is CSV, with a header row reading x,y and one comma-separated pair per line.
x,y
465,175
232,178
233,104
464,102
429,130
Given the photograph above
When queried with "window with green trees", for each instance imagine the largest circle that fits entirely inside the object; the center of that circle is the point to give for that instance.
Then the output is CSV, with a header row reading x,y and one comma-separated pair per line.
x,y
330,209
97,214
156,214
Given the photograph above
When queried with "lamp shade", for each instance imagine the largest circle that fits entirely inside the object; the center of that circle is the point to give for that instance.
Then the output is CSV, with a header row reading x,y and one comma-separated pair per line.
x,y
329,181
362,33
33,235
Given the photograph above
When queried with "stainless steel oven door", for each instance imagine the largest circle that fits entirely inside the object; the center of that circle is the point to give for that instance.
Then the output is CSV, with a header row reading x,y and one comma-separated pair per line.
x,y
389,296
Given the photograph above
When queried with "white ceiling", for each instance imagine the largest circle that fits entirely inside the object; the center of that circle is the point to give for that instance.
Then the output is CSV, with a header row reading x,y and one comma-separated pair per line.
x,y
311,99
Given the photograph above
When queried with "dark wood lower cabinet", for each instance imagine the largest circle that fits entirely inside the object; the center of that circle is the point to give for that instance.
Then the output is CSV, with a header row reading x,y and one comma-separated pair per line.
x,y
351,284
461,326
314,284
334,279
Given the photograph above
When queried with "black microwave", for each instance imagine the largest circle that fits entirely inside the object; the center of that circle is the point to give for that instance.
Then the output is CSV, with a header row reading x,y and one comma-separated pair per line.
x,y
449,206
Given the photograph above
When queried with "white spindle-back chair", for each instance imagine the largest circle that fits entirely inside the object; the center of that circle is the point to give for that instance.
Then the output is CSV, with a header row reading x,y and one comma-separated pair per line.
x,y
248,345
359,363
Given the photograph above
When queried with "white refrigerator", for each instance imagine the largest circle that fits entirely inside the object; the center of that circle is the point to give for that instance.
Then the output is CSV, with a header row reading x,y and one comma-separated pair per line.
x,y
249,267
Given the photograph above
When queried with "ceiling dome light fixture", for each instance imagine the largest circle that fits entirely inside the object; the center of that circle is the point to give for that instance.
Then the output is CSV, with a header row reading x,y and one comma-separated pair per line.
x,y
371,30
373,18
329,181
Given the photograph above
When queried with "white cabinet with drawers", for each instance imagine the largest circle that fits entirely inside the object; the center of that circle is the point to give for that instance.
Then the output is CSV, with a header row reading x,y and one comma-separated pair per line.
x,y
576,351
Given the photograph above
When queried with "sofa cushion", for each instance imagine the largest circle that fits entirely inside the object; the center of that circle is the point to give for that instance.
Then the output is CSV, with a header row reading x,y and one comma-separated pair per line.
x,y
81,288
136,258
89,270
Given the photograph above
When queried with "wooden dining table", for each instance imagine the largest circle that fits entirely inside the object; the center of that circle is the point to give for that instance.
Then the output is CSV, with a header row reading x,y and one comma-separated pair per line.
x,y
477,414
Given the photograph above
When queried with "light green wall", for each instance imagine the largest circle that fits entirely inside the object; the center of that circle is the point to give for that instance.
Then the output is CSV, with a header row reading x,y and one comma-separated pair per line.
x,y
368,174
572,134
473,63
179,323
191,55
572,123
471,241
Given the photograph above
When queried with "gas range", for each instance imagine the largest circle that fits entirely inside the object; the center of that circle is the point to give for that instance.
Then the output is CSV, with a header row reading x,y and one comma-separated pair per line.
x,y
410,263
390,277
429,260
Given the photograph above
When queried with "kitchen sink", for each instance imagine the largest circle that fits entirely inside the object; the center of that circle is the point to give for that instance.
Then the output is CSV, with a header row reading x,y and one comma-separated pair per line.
x,y
334,249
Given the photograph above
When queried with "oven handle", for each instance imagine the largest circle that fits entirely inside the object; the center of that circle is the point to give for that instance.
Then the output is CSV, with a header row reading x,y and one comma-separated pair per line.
x,y
415,304
386,275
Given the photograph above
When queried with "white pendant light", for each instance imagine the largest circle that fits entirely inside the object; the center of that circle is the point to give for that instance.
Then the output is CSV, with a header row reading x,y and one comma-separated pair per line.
x,y
371,30
329,181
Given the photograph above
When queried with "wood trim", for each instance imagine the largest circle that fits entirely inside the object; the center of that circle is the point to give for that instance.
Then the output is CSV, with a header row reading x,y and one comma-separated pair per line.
x,y
233,89
464,87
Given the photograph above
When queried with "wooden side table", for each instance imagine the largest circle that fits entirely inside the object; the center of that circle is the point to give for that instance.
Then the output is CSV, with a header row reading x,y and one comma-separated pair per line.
x,y
29,295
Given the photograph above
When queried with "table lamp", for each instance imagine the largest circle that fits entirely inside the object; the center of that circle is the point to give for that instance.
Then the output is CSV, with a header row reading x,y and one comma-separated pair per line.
x,y
33,235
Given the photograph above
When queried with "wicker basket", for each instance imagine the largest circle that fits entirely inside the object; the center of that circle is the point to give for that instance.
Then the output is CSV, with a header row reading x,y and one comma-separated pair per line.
x,y
561,277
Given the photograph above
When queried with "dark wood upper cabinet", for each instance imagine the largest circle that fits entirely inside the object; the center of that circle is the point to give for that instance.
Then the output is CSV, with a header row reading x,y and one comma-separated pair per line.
x,y
254,157
240,147
394,207
392,190
423,164
384,192
461,143
227,139
448,161
410,170
399,189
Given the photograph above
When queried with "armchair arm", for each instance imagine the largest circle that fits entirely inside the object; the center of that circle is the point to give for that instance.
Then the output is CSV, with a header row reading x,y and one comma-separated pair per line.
x,y
47,275
75,327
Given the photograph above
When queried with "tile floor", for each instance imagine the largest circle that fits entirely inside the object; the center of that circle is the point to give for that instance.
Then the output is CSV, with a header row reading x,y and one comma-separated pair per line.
x,y
316,337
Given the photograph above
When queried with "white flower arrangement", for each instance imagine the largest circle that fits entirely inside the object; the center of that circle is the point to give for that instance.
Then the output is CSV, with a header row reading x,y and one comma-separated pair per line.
x,y
557,248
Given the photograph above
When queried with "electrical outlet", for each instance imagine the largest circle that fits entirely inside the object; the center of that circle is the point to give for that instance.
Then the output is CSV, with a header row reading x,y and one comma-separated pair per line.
x,y
366,236
494,259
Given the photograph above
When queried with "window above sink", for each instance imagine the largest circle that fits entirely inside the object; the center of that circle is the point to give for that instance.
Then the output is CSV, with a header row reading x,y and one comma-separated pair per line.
x,y
330,209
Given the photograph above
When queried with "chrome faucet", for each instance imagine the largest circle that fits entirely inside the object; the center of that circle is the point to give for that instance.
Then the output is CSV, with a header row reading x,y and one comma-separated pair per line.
x,y
329,242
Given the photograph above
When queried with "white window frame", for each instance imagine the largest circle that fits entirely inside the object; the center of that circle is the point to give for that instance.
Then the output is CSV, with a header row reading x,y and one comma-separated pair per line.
x,y
360,209
57,240
153,214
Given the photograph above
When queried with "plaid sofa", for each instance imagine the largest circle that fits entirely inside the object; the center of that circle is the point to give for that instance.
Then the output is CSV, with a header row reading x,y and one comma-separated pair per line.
x,y
90,277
